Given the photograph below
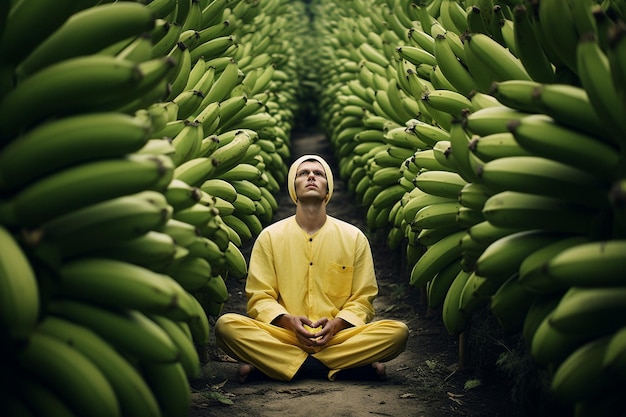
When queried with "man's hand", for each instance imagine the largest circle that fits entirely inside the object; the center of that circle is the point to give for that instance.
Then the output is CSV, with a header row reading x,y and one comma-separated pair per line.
x,y
296,325
329,329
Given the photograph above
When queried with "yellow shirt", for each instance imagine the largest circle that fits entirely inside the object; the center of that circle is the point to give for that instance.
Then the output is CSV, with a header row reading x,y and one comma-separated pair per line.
x,y
327,274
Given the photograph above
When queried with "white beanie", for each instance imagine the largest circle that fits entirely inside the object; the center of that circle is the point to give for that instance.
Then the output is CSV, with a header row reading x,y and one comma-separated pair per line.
x,y
291,177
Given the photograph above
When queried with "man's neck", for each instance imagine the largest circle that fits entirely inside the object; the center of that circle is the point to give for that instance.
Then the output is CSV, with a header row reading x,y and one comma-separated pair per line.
x,y
311,217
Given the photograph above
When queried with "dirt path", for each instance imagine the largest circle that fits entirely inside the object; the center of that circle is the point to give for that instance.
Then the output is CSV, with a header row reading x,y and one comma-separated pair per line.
x,y
423,381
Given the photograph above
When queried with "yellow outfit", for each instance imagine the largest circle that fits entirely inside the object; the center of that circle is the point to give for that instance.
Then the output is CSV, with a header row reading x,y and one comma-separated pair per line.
x,y
326,274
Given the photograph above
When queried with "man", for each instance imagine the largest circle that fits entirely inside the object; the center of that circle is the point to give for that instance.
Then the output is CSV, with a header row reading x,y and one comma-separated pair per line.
x,y
310,288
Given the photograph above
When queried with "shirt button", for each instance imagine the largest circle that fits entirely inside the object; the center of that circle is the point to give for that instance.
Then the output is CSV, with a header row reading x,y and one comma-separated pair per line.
x,y
310,239
311,264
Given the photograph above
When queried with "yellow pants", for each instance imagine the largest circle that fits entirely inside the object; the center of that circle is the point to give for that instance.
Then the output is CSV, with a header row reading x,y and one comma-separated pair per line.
x,y
277,353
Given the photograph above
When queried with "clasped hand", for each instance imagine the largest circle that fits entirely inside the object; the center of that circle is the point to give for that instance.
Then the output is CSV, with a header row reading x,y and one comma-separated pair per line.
x,y
297,325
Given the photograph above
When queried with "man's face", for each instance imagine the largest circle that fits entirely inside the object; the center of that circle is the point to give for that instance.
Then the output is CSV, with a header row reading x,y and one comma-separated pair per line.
x,y
311,181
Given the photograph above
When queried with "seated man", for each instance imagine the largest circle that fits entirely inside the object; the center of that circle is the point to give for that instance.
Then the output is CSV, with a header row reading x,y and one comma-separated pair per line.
x,y
310,287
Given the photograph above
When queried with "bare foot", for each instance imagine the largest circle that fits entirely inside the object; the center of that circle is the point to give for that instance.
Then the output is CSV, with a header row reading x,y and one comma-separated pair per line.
x,y
380,370
245,370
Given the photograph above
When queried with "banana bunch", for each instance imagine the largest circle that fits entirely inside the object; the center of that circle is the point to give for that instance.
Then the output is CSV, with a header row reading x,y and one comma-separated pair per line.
x,y
125,204
490,146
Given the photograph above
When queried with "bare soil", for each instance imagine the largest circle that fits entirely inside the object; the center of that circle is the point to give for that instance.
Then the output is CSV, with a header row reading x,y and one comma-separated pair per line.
x,y
432,378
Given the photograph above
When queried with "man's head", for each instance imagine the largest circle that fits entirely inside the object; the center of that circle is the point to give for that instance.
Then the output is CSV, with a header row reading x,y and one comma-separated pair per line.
x,y
308,166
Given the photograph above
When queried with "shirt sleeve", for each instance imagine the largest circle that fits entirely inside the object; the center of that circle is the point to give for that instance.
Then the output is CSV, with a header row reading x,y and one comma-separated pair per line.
x,y
359,308
262,283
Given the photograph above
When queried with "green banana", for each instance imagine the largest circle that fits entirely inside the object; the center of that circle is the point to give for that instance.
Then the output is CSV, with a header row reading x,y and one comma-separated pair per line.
x,y
209,118
189,358
590,311
193,18
519,94
85,184
448,101
181,195
236,263
244,204
86,32
19,289
542,176
230,108
438,286
581,377
421,39
112,221
496,145
555,18
398,136
454,319
570,105
207,249
37,397
199,77
182,232
435,258
197,215
592,264
130,331
541,135
511,209
452,68
224,83
453,16
425,159
532,270
550,346
417,55
224,207
138,50
474,195
188,102
192,273
539,308
181,57
483,53
529,47
502,258
476,20
168,40
162,8
170,385
436,215
119,284
132,392
108,81
614,357
212,48
476,293
594,70
238,225
440,183
229,155
187,142
195,171
31,22
485,232
510,304
150,250
247,188
428,237
242,172
73,375
221,188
